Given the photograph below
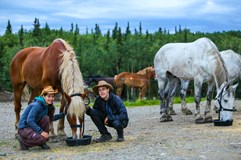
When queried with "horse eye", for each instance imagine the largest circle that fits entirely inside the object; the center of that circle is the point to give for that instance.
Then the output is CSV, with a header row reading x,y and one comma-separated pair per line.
x,y
225,100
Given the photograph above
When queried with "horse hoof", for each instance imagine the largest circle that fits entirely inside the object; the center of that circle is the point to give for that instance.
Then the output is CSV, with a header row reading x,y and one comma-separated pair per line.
x,y
52,136
53,139
172,112
208,119
200,120
187,111
166,119
169,118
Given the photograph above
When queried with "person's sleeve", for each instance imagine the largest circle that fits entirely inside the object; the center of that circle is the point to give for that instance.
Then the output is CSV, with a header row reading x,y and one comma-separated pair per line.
x,y
58,116
31,119
121,109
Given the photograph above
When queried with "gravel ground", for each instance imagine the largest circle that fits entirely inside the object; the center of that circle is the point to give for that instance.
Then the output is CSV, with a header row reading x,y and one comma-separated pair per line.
x,y
145,138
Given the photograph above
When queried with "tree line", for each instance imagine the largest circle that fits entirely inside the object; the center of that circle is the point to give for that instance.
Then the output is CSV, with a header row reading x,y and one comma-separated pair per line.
x,y
105,54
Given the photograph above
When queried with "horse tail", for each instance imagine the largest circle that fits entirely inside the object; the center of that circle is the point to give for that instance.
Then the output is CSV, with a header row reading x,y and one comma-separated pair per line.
x,y
26,92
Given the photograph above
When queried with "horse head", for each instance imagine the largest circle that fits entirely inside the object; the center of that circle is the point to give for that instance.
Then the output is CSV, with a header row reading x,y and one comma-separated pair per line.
x,y
84,97
224,101
150,72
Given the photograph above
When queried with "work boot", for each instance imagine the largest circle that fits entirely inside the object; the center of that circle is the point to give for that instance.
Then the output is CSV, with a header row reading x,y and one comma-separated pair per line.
x,y
104,138
120,135
45,146
21,144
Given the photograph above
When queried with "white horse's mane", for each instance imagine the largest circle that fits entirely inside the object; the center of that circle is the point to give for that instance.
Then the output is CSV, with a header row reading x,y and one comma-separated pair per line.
x,y
220,70
72,80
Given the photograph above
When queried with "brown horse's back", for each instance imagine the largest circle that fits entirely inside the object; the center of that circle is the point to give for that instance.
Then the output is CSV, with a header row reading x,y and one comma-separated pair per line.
x,y
130,79
24,62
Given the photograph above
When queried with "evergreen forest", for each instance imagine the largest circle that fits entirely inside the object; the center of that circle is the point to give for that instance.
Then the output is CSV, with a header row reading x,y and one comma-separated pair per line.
x,y
110,53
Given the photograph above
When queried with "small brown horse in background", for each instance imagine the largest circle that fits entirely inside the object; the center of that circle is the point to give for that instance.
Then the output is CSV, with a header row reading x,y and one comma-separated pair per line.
x,y
56,65
140,81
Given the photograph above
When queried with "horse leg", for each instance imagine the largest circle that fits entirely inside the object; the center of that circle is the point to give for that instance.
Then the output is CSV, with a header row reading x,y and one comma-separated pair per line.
x,y
184,87
51,126
60,126
165,112
198,86
81,133
73,124
162,100
142,92
207,114
119,91
172,95
171,90
18,89
34,93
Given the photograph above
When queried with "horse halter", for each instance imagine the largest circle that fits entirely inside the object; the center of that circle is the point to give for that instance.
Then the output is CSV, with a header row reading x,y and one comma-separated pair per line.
x,y
87,99
219,99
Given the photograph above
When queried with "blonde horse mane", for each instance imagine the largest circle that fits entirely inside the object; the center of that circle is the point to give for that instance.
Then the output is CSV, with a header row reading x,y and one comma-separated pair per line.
x,y
72,81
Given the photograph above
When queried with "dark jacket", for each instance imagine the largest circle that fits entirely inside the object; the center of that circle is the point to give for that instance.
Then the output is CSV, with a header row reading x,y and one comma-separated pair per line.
x,y
34,112
114,108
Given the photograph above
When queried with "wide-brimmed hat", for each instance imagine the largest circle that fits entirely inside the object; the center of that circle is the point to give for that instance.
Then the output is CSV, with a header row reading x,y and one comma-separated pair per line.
x,y
100,84
49,90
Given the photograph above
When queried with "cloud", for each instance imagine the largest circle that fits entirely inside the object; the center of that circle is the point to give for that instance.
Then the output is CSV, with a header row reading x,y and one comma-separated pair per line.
x,y
210,7
152,13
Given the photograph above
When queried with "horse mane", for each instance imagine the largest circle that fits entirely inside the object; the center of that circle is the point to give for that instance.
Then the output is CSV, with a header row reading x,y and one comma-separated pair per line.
x,y
72,80
143,71
221,73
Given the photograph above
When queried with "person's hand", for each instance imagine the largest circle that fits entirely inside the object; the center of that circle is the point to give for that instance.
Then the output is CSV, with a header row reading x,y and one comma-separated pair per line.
x,y
45,135
106,121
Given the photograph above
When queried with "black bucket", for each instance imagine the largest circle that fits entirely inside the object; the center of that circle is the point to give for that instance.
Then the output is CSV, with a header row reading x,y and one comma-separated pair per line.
x,y
217,122
78,141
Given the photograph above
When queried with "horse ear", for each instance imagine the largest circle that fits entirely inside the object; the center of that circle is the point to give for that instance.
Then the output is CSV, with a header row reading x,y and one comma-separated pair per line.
x,y
234,87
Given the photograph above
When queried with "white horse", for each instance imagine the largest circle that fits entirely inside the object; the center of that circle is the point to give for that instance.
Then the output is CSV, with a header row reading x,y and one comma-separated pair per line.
x,y
199,61
232,62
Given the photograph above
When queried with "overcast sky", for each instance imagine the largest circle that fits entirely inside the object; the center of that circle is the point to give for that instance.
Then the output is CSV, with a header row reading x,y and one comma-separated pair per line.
x,y
196,15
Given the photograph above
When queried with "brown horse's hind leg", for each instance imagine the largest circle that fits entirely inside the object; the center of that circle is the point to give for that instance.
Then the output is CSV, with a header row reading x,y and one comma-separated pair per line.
x,y
18,89
60,127
34,93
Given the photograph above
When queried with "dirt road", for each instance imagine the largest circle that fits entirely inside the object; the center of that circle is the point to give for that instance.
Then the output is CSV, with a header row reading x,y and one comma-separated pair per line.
x,y
145,138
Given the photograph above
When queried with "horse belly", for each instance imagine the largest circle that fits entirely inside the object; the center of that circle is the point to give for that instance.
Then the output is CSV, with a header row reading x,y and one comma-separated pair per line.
x,y
177,66
182,60
133,83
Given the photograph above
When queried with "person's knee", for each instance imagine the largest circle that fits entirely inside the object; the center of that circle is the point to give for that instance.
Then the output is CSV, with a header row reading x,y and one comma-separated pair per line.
x,y
46,119
117,125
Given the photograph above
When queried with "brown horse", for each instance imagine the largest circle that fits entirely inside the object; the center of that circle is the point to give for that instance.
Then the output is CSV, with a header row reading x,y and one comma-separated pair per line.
x,y
56,65
140,81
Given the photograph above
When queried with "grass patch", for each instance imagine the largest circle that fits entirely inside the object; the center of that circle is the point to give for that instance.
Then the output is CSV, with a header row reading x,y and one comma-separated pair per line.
x,y
141,103
136,103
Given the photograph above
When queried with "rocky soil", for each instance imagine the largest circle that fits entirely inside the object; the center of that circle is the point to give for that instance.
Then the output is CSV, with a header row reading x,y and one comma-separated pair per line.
x,y
145,138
